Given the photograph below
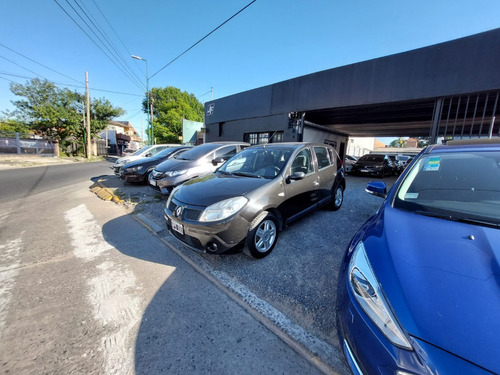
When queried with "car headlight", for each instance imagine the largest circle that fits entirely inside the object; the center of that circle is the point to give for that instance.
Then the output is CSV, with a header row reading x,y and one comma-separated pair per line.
x,y
223,209
175,173
134,169
124,161
157,174
369,295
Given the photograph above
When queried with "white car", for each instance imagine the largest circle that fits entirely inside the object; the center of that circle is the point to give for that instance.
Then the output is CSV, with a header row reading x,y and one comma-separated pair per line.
x,y
144,152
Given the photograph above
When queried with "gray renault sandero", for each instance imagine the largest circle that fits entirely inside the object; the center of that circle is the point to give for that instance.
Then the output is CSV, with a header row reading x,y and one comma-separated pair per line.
x,y
255,194
199,161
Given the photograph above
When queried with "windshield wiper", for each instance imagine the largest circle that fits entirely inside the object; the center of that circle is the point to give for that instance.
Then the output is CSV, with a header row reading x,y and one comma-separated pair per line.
x,y
225,172
245,174
466,220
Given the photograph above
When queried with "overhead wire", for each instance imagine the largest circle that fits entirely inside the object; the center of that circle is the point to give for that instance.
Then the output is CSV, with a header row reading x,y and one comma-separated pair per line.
x,y
134,80
117,54
206,36
36,62
93,41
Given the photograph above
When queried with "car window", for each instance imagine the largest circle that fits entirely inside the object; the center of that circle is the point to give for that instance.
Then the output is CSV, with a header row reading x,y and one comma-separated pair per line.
x,y
198,152
156,150
303,162
225,152
258,162
323,156
456,185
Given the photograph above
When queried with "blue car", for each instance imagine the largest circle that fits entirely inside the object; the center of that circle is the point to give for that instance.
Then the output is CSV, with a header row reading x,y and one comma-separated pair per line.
x,y
419,284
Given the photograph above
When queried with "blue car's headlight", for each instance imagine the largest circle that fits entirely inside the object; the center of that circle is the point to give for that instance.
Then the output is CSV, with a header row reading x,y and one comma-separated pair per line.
x,y
223,209
370,297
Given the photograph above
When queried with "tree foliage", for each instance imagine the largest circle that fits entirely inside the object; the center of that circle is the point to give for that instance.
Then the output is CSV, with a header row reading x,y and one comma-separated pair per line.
x,y
170,106
56,113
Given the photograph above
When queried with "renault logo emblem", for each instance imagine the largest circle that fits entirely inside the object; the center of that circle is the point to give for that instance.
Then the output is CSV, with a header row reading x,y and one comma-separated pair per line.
x,y
178,211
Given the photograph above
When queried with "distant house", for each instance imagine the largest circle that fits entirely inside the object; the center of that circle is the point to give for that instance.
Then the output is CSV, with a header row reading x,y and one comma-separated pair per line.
x,y
412,142
120,135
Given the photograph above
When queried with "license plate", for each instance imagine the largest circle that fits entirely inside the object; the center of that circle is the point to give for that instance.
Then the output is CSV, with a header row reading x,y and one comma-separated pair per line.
x,y
178,227
365,170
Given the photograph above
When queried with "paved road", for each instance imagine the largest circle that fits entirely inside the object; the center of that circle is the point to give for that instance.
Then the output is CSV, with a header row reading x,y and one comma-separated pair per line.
x,y
84,288
23,182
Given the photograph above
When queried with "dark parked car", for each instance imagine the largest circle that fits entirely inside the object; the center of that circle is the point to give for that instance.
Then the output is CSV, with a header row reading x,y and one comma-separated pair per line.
x,y
199,161
374,165
139,170
144,152
254,195
419,285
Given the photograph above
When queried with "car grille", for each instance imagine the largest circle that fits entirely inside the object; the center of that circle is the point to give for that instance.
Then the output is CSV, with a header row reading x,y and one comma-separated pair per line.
x,y
188,213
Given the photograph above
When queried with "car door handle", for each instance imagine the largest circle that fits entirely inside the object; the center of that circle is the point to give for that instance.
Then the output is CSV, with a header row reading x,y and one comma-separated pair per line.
x,y
316,183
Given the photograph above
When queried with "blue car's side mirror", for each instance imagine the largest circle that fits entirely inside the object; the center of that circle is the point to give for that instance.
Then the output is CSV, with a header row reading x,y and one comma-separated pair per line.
x,y
377,188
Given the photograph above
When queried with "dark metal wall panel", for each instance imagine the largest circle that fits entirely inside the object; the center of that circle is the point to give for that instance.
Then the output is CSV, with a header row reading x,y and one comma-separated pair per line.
x,y
457,67
248,104
235,130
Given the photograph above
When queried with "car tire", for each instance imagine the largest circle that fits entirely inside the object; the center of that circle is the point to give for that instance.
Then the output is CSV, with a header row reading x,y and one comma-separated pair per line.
x,y
260,240
337,198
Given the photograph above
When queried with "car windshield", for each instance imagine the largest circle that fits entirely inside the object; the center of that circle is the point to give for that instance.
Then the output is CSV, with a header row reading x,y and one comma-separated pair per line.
x,y
142,150
199,151
370,157
165,152
463,186
258,162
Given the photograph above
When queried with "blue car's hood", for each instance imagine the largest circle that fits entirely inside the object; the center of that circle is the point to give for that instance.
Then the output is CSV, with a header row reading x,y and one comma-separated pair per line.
x,y
204,191
442,279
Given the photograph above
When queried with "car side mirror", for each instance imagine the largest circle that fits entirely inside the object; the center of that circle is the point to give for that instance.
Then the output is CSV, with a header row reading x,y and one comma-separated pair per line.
x,y
377,188
295,176
218,161
147,155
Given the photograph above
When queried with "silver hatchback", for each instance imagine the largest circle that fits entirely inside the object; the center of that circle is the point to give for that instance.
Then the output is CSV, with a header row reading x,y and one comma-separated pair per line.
x,y
199,161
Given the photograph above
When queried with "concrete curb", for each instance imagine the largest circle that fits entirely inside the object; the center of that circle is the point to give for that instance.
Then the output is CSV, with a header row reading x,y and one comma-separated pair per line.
x,y
105,193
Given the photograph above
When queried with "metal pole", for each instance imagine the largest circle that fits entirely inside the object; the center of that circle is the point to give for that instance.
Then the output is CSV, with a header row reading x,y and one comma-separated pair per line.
x,y
88,113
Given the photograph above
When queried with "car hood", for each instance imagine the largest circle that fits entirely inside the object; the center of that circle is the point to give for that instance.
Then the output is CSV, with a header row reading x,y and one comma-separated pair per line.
x,y
442,279
213,188
175,165
145,161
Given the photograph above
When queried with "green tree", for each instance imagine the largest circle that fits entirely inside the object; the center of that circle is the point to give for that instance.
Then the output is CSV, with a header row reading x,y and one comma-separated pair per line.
x,y
57,114
399,143
170,106
46,109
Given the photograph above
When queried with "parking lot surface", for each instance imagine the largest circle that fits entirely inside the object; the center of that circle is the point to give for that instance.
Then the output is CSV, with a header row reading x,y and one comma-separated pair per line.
x,y
298,279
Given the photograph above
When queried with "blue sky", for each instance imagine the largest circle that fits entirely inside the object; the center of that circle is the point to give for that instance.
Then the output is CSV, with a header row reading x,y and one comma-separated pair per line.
x,y
270,41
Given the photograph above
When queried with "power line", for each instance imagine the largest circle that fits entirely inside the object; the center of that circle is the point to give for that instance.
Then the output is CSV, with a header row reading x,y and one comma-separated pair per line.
x,y
93,41
88,14
13,62
36,62
70,85
136,82
206,36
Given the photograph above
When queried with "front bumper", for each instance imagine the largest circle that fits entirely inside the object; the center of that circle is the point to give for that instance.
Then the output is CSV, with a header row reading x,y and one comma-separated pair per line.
x,y
116,168
166,184
214,238
129,177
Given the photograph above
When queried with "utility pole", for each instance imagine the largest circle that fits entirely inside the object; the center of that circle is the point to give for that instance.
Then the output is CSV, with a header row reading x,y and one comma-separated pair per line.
x,y
151,119
88,113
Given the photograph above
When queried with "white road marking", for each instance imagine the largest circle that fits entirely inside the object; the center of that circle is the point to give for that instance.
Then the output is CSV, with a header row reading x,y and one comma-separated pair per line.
x,y
110,291
9,269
